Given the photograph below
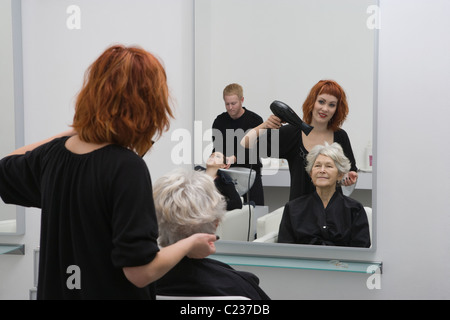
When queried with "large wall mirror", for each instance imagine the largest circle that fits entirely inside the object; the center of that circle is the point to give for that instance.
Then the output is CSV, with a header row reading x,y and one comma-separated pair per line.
x,y
12,218
277,50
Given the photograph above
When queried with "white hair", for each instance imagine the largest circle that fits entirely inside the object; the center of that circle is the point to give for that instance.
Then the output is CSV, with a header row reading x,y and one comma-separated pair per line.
x,y
186,202
333,151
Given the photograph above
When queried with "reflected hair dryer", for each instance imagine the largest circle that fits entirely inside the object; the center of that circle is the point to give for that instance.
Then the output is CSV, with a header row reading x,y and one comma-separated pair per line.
x,y
286,114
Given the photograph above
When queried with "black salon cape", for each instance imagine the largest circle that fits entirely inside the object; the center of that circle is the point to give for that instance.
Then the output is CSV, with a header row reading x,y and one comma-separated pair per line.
x,y
208,277
342,223
97,214
291,148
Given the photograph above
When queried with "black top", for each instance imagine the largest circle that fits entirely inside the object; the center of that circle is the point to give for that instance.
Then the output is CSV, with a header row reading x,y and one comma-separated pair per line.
x,y
342,223
225,186
208,277
292,149
97,214
231,133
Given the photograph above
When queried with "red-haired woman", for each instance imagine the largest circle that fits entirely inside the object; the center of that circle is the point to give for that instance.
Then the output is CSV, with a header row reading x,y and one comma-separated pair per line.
x,y
98,227
325,109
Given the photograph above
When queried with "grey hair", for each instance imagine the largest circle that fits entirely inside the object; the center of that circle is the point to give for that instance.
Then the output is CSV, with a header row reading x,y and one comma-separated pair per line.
x,y
186,202
334,151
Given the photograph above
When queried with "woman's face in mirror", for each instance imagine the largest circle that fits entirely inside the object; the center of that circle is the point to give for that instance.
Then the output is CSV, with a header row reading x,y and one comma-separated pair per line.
x,y
216,159
324,108
324,173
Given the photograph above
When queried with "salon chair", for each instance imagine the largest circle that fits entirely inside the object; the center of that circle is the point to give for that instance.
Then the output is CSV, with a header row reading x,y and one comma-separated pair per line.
x,y
235,224
369,219
268,225
8,225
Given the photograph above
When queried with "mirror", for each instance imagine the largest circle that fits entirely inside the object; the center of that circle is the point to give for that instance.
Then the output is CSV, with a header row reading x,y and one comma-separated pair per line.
x,y
12,218
278,50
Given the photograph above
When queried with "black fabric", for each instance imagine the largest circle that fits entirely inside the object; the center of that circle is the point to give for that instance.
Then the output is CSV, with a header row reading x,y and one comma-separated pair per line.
x,y
229,144
208,277
97,214
292,149
342,223
225,186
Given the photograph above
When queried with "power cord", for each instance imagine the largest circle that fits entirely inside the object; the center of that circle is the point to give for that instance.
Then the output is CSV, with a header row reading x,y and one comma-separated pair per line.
x,y
249,204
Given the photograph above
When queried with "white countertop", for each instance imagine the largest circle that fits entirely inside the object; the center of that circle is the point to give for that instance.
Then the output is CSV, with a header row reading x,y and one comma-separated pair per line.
x,y
275,173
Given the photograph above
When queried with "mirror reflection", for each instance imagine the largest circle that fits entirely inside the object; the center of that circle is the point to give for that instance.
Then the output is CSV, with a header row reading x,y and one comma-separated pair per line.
x,y
12,218
280,51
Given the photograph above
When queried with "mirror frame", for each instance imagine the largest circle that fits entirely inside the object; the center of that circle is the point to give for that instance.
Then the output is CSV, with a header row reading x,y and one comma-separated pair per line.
x,y
241,248
16,45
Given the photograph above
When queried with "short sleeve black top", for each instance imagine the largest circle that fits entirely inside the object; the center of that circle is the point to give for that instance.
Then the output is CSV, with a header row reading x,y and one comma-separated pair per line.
x,y
291,148
97,214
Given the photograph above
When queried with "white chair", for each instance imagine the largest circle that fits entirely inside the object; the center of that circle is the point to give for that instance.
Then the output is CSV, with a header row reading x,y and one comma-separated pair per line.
x,y
235,224
267,226
160,297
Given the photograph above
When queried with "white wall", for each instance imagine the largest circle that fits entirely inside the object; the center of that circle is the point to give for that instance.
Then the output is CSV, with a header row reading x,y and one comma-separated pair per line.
x,y
413,180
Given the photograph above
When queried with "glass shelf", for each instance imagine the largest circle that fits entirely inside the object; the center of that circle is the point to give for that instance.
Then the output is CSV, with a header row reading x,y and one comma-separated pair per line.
x,y
11,248
296,263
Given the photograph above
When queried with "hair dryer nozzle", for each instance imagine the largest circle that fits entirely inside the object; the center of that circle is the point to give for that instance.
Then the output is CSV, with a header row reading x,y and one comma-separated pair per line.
x,y
285,113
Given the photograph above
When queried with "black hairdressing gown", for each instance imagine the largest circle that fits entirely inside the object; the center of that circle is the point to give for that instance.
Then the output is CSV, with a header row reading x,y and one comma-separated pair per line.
x,y
208,277
342,223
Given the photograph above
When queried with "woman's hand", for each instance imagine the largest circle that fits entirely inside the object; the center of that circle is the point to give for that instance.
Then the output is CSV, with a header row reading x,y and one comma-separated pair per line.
x,y
249,140
273,122
229,161
350,178
202,245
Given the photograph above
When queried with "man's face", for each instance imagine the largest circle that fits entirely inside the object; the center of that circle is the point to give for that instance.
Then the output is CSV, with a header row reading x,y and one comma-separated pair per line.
x,y
234,106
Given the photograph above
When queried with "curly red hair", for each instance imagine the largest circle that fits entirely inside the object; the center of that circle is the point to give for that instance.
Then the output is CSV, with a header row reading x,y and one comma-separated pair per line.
x,y
332,88
123,100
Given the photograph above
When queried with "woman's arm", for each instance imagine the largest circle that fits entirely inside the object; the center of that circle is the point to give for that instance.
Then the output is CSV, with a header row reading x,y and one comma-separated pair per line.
x,y
273,122
197,246
30,147
233,199
343,139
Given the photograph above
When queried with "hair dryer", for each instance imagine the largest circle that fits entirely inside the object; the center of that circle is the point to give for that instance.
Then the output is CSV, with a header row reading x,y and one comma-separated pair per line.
x,y
285,113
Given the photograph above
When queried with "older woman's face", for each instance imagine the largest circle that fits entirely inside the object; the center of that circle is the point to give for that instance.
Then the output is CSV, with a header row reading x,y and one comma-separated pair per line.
x,y
324,172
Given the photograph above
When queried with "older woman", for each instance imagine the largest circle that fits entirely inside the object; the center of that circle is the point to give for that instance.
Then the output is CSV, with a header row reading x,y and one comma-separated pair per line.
x,y
325,217
187,202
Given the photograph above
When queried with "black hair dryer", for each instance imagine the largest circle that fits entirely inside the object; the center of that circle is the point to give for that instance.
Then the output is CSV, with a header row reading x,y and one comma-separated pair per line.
x,y
286,114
